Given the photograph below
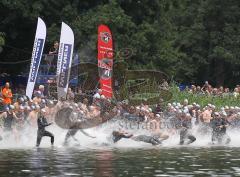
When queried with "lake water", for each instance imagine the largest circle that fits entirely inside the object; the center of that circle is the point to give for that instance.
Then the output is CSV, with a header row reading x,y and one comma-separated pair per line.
x,y
110,162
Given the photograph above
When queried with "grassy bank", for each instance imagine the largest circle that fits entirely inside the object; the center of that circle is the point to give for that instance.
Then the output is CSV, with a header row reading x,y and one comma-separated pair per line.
x,y
150,95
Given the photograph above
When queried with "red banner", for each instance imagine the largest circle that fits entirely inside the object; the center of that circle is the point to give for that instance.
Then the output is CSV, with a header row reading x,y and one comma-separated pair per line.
x,y
105,60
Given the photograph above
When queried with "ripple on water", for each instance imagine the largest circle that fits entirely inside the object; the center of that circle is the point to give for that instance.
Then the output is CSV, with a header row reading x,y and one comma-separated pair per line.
x,y
195,165
26,171
78,162
189,156
71,174
170,168
199,172
237,169
235,159
158,171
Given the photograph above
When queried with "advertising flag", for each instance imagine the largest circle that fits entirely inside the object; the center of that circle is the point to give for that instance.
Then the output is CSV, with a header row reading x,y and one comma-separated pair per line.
x,y
64,63
105,60
36,56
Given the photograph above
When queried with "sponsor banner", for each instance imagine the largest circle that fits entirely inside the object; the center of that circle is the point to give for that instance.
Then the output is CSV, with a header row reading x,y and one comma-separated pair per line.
x,y
64,60
105,60
36,56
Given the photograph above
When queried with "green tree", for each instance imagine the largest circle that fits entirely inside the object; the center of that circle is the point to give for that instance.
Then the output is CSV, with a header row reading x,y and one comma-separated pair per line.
x,y
2,40
208,33
191,41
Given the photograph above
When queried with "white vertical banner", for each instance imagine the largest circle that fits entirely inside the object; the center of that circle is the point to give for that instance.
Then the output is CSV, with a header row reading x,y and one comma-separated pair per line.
x,y
36,56
64,63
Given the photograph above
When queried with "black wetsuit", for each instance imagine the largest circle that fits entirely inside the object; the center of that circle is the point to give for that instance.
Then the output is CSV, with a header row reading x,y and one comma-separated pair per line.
x,y
42,123
26,114
185,134
8,121
70,133
116,136
148,139
219,133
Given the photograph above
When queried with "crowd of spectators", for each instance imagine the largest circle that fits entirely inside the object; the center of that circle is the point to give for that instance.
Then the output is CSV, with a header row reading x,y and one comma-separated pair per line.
x,y
208,90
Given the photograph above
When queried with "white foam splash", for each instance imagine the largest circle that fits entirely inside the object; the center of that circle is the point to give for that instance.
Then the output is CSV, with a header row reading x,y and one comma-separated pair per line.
x,y
27,138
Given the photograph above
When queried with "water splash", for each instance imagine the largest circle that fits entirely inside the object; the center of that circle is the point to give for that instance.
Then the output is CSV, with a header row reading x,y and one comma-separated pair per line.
x,y
26,138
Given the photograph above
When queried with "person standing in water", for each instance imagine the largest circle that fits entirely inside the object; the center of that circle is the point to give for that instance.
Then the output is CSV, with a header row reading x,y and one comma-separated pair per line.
x,y
219,127
7,95
42,123
8,118
184,131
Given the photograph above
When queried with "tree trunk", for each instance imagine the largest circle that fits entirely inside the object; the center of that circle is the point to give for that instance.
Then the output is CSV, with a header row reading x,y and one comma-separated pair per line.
x,y
219,72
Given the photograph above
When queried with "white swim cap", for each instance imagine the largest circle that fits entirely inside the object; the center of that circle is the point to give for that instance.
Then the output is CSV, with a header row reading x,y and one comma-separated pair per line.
x,y
11,107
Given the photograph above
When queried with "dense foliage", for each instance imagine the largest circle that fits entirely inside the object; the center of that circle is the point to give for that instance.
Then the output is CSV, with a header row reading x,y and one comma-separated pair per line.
x,y
191,41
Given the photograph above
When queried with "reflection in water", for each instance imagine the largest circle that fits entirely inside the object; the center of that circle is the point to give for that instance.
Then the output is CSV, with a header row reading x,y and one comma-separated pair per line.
x,y
104,163
215,161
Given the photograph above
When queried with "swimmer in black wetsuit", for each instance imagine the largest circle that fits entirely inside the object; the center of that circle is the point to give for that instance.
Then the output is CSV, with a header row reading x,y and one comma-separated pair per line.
x,y
117,135
8,118
42,123
185,135
148,139
219,127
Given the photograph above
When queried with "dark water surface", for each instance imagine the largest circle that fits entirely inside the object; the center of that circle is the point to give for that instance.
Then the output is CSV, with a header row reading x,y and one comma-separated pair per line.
x,y
215,161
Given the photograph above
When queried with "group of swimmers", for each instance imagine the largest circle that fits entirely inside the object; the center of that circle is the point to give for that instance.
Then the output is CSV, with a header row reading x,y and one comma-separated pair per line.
x,y
176,118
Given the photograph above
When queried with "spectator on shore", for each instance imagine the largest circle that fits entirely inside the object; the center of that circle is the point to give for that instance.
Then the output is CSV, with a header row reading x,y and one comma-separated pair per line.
x,y
54,49
215,92
205,86
98,94
226,92
164,85
79,90
70,95
41,88
193,89
198,90
51,59
220,90
236,93
7,95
